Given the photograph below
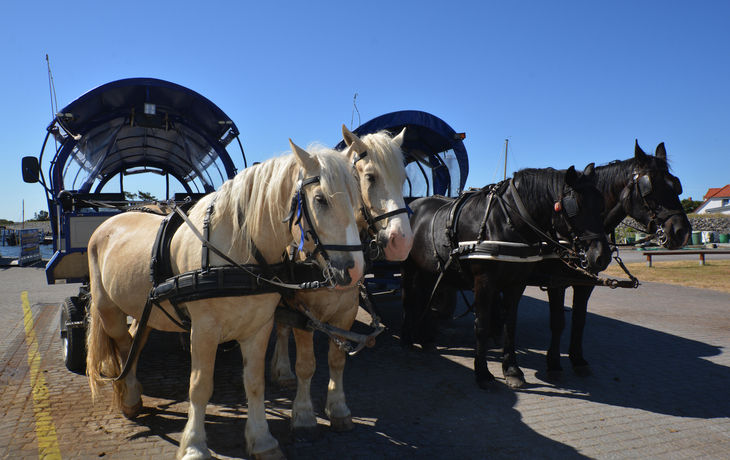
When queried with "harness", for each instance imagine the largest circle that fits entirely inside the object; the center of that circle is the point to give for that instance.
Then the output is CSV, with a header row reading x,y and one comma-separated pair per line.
x,y
235,280
509,251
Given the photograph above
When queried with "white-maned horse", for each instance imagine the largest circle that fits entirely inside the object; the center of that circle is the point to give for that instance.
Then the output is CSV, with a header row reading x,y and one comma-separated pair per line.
x,y
382,174
249,208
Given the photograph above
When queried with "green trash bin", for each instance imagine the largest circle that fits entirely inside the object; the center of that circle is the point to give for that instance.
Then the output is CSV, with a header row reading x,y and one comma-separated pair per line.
x,y
724,238
696,238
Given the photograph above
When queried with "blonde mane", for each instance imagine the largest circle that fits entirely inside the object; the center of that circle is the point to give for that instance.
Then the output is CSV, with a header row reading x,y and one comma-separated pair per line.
x,y
258,199
386,155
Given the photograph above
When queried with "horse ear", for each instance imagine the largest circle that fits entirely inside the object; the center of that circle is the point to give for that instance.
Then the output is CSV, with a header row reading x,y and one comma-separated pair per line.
x,y
639,154
661,152
571,176
590,171
400,138
353,141
308,162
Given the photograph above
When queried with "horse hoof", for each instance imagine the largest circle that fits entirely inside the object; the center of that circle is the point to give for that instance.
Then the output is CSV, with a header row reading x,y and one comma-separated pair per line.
x,y
287,384
271,454
490,386
515,382
306,433
133,411
583,371
340,424
556,376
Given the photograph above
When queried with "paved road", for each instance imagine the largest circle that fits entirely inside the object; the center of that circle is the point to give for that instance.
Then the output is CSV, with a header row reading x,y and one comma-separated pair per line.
x,y
660,355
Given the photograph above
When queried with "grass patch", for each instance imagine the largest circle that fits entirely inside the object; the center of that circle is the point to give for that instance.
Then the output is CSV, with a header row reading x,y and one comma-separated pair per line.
x,y
714,274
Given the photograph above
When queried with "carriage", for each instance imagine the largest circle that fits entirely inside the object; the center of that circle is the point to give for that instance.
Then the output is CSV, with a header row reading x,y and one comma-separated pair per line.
x,y
122,131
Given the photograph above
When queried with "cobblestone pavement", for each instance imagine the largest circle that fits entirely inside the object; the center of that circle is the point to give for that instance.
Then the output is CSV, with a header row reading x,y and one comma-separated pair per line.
x,y
659,353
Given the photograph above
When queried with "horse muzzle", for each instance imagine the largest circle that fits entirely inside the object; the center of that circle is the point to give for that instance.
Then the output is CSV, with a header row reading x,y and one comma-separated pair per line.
x,y
395,243
597,255
345,271
677,230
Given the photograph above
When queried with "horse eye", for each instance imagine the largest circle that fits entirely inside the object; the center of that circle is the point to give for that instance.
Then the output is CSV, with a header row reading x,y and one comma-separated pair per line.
x,y
320,200
370,177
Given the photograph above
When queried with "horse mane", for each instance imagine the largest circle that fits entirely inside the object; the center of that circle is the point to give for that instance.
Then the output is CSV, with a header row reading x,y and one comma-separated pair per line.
x,y
535,182
616,172
386,155
258,199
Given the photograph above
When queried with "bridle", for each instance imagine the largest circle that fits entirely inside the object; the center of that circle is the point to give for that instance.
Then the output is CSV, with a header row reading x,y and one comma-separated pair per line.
x,y
567,205
642,182
299,209
371,246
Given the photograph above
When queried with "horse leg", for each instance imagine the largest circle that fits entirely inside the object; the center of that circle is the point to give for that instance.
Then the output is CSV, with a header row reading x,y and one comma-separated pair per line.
x,y
109,340
419,325
133,389
483,296
203,347
408,302
259,440
581,294
336,408
556,299
281,373
304,421
512,372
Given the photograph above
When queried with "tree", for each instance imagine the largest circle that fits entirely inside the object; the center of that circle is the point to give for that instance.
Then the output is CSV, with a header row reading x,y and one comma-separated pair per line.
x,y
41,216
690,205
130,196
144,196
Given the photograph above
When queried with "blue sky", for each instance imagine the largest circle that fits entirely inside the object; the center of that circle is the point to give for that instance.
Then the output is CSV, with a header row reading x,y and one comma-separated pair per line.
x,y
568,83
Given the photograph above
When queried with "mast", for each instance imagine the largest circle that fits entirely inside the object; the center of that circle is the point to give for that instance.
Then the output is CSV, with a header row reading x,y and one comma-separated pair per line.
x,y
506,142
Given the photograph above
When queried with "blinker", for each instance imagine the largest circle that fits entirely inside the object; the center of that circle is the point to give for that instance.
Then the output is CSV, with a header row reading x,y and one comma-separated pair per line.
x,y
644,183
570,205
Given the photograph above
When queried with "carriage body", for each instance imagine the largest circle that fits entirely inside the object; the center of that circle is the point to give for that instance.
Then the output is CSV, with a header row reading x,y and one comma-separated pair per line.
x,y
138,126
154,135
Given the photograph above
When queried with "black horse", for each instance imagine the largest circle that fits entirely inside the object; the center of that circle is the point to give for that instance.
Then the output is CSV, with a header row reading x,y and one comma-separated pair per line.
x,y
642,188
490,240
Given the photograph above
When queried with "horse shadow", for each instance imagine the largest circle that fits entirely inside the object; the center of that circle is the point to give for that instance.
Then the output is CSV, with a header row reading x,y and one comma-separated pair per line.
x,y
635,366
404,405
424,405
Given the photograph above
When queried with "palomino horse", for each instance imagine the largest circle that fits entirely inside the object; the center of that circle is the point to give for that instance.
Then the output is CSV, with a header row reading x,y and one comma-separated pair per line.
x,y
248,215
489,241
378,161
643,188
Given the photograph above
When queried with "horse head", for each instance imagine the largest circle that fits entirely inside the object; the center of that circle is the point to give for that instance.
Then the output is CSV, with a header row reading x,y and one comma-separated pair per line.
x,y
378,162
323,210
578,214
652,198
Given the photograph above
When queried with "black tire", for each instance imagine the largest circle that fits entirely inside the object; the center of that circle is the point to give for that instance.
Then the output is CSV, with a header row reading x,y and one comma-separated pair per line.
x,y
443,303
73,339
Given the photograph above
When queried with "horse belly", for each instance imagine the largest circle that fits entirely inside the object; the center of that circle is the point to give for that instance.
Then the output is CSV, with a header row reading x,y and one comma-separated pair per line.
x,y
239,318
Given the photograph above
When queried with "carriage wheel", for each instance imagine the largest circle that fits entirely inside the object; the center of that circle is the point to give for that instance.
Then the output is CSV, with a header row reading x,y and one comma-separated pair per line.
x,y
73,335
443,302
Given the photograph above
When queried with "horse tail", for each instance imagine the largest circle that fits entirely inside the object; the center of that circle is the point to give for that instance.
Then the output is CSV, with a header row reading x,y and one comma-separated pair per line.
x,y
101,358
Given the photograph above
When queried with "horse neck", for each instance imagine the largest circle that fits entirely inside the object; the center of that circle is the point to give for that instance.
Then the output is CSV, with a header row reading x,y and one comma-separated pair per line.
x,y
611,180
539,198
270,235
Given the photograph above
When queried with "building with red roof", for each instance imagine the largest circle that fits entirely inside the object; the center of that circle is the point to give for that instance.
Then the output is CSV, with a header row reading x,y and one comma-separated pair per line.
x,y
716,201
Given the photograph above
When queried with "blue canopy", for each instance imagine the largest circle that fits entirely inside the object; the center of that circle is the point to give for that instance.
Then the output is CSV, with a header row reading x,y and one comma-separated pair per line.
x,y
141,125
433,150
